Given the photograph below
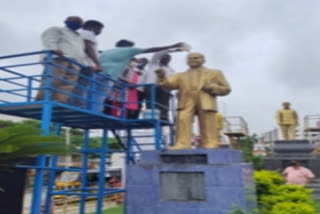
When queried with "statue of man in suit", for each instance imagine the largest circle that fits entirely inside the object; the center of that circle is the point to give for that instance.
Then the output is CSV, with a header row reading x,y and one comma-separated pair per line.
x,y
287,119
198,88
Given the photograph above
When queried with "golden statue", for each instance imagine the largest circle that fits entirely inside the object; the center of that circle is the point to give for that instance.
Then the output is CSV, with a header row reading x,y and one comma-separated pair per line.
x,y
287,119
198,88
220,123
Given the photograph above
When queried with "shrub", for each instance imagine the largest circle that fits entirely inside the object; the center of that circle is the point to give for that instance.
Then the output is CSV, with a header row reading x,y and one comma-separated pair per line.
x,y
266,181
276,198
292,208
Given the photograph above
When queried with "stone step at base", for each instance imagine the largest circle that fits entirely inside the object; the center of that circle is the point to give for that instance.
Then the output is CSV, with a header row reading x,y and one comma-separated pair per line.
x,y
314,186
316,196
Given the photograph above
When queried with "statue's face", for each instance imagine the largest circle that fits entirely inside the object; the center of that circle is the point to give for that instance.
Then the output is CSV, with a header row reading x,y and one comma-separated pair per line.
x,y
195,60
286,105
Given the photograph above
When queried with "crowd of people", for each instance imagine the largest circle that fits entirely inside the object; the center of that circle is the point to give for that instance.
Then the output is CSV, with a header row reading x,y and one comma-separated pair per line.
x,y
70,83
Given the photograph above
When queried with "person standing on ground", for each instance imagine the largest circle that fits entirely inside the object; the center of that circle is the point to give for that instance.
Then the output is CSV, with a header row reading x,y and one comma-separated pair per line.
x,y
297,174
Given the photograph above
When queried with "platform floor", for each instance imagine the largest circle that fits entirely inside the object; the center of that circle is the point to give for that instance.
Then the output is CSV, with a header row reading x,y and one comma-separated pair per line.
x,y
76,117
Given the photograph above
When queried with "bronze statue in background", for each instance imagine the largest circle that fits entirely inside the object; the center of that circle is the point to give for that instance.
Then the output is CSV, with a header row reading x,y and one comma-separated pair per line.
x,y
198,88
287,119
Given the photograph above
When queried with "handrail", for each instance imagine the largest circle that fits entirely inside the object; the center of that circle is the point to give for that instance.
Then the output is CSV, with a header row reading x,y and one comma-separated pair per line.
x,y
26,84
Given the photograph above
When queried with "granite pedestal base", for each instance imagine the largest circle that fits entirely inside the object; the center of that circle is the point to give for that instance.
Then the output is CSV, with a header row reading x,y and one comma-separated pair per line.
x,y
198,181
285,151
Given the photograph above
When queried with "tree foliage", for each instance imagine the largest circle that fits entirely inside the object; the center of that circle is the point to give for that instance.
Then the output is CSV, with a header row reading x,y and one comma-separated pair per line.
x,y
23,139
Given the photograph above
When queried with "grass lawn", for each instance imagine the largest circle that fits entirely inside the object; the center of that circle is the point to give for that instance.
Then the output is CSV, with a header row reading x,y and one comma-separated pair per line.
x,y
113,210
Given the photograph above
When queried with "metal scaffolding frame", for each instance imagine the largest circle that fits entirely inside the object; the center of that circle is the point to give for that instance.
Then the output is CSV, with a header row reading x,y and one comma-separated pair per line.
x,y
16,99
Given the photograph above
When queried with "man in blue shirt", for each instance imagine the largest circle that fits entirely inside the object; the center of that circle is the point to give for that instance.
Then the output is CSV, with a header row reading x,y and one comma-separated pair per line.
x,y
114,62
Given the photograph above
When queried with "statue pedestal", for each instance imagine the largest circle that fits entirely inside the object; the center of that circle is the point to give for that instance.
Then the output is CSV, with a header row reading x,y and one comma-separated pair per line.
x,y
286,150
189,182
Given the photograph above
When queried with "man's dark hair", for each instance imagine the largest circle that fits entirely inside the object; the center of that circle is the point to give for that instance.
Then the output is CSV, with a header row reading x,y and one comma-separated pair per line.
x,y
294,163
92,23
124,43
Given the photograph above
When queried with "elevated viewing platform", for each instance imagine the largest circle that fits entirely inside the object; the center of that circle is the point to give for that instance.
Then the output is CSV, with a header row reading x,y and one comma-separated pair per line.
x,y
75,117
22,81
312,128
235,127
61,92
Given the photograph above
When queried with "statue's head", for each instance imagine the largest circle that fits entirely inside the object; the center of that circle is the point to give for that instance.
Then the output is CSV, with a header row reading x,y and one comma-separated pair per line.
x,y
195,60
286,105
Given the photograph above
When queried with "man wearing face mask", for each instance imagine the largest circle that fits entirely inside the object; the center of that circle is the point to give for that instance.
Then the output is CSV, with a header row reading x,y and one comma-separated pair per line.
x,y
64,41
114,61
88,32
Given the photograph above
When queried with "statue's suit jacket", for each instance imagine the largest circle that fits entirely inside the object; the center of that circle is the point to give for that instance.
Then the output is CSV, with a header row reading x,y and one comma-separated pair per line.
x,y
209,84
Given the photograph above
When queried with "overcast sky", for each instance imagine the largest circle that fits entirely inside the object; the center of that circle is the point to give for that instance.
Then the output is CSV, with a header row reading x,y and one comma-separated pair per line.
x,y
267,49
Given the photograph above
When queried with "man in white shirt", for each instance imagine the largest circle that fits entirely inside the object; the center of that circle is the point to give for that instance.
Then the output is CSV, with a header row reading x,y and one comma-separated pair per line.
x,y
64,41
143,62
159,60
89,31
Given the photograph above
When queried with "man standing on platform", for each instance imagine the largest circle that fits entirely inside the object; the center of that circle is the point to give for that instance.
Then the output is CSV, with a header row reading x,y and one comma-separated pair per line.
x,y
159,60
114,61
287,119
64,41
90,30
198,88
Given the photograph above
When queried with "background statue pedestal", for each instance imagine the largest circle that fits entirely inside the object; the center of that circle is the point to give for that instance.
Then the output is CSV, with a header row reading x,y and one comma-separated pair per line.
x,y
202,181
286,150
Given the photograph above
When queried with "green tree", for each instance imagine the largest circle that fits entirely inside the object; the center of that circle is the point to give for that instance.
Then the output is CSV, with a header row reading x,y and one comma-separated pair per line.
x,y
22,140
246,146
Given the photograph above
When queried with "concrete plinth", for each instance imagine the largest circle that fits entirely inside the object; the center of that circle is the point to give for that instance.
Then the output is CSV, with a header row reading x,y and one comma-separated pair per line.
x,y
190,182
286,150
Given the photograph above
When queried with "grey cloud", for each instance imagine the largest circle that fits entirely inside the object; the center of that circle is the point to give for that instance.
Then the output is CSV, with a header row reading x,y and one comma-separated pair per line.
x,y
268,49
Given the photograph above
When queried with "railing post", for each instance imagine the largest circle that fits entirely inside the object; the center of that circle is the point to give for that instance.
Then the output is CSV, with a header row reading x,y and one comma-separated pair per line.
x,y
158,135
92,97
84,168
123,100
48,76
29,90
45,128
152,100
52,173
102,171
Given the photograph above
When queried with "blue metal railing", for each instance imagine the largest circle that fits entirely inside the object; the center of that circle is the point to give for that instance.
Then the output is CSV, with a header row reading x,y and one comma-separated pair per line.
x,y
88,94
89,91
